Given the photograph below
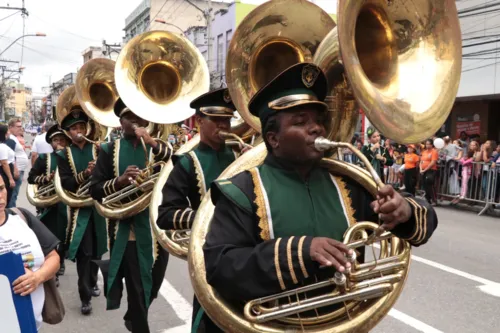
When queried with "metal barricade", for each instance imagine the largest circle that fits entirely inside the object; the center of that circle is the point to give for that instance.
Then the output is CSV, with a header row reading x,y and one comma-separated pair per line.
x,y
475,183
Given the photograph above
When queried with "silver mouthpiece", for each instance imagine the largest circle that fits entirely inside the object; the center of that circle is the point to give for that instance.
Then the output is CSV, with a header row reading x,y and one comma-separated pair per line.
x,y
322,144
79,135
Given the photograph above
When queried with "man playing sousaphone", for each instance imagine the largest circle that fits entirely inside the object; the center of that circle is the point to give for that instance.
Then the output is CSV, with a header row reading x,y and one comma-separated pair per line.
x,y
86,235
135,255
193,172
274,226
54,217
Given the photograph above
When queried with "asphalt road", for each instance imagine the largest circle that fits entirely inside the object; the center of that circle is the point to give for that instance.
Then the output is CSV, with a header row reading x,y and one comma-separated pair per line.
x,y
453,286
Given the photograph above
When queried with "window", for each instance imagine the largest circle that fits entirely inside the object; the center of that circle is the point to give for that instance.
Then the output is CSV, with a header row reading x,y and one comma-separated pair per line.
x,y
220,53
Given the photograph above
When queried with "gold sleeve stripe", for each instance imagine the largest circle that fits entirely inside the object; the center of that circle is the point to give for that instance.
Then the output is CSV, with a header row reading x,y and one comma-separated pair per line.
x,y
175,218
416,208
290,261
424,222
113,185
421,218
301,259
277,263
105,188
182,216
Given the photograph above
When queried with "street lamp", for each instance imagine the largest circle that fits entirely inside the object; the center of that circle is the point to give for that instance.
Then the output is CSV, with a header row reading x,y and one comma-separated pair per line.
x,y
38,34
165,22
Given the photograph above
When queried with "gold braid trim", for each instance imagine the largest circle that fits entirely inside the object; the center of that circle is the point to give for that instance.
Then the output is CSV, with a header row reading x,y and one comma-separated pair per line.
x,y
301,259
116,158
47,172
289,259
422,220
345,194
277,263
418,219
71,162
199,174
175,218
261,205
73,223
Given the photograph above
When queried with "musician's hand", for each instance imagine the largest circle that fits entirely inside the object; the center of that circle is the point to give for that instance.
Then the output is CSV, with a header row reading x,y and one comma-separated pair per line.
x,y
329,252
128,176
392,208
141,132
51,176
89,169
379,157
375,146
27,283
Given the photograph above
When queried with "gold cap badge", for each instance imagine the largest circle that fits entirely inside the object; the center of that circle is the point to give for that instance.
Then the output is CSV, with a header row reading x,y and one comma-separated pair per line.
x,y
309,75
226,96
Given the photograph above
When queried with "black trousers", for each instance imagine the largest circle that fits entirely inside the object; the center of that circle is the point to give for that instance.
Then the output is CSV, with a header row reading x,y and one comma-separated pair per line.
x,y
429,177
87,269
137,312
205,324
410,180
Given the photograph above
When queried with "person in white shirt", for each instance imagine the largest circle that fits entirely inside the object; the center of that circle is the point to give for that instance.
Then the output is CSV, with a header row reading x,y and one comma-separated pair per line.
x,y
40,145
28,236
16,128
7,158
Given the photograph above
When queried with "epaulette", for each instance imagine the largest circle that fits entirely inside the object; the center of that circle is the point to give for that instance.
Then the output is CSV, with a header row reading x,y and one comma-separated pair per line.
x,y
232,192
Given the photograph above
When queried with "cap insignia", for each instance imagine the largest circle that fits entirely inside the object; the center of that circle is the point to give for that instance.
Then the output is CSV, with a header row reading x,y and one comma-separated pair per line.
x,y
309,75
226,96
75,113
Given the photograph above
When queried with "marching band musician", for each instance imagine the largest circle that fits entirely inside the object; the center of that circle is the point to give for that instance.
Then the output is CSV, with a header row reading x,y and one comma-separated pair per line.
x,y
135,255
86,235
275,225
193,172
42,173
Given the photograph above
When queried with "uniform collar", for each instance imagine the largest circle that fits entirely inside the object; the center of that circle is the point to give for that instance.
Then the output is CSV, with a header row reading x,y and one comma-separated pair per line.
x,y
285,166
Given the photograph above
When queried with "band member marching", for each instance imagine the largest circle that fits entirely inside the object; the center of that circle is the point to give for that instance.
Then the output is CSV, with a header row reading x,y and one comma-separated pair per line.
x,y
86,234
135,254
193,172
275,225
377,155
42,173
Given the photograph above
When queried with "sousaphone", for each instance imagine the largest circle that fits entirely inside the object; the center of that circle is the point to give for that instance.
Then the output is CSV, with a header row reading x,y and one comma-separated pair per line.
x,y
157,74
96,133
272,37
402,60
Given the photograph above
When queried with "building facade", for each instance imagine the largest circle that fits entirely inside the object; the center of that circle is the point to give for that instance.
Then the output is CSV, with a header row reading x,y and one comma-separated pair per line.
x,y
138,21
18,103
50,102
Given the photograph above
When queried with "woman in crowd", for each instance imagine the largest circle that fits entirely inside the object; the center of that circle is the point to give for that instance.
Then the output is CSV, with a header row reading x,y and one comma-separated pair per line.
x,y
467,165
378,156
428,170
8,171
411,172
28,236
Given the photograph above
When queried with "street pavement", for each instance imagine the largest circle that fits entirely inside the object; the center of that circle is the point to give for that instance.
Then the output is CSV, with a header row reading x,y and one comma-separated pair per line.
x,y
453,286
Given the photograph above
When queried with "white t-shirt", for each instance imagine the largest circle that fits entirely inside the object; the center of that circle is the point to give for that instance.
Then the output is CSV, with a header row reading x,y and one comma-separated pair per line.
x,y
16,236
6,153
21,156
40,146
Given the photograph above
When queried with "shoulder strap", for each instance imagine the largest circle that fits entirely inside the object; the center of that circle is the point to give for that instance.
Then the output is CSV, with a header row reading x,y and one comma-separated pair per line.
x,y
18,212
234,193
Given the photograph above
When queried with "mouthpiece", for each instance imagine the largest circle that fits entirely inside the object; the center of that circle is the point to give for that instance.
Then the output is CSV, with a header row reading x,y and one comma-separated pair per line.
x,y
134,127
322,144
79,135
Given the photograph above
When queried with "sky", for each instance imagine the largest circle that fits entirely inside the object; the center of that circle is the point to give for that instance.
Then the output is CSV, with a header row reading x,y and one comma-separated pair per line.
x,y
71,26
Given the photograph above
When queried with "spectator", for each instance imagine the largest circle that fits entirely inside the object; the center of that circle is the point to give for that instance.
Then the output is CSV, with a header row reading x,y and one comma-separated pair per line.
x,y
377,155
428,169
16,128
40,146
467,166
411,172
7,157
36,244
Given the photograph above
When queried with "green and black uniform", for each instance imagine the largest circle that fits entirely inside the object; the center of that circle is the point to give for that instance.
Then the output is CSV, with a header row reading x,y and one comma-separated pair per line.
x,y
86,234
54,217
182,194
265,219
135,252
378,165
191,177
